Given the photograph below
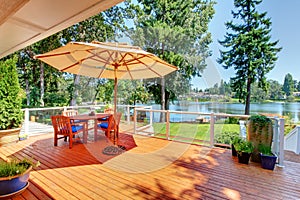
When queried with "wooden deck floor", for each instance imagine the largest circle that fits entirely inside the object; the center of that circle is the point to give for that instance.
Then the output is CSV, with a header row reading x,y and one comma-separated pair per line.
x,y
149,169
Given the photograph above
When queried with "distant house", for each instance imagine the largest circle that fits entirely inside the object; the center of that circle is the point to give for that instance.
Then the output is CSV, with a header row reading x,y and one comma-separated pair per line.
x,y
296,94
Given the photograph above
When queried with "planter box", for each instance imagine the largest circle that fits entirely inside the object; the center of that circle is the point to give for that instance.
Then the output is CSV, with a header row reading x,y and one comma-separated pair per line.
x,y
268,161
243,157
9,136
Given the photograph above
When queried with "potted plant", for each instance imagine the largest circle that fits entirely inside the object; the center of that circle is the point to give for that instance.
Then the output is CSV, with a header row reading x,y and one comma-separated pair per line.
x,y
14,176
259,131
244,150
11,116
268,159
235,141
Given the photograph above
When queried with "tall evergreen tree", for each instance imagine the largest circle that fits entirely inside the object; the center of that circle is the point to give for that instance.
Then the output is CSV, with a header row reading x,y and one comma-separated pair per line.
x,y
248,49
288,85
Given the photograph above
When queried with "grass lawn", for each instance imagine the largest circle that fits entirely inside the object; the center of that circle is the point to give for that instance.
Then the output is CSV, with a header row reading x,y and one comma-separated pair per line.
x,y
193,131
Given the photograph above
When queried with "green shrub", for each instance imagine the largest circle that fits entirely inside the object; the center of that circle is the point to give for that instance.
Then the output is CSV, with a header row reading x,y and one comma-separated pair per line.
x,y
226,137
11,115
232,120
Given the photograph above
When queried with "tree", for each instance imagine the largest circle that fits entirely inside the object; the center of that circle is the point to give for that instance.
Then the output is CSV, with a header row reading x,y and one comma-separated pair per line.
x,y
222,88
275,90
132,92
298,86
258,94
177,32
250,51
11,115
288,85
215,89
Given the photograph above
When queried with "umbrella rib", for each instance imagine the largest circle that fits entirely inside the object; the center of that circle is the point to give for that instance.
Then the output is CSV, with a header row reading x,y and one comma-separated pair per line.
x,y
101,59
129,72
80,61
76,63
50,55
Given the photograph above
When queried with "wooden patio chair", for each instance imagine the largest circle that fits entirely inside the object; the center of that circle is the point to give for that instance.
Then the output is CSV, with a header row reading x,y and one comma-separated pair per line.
x,y
69,113
111,127
63,127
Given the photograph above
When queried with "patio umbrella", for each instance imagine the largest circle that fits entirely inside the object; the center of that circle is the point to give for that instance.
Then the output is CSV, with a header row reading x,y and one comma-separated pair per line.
x,y
107,60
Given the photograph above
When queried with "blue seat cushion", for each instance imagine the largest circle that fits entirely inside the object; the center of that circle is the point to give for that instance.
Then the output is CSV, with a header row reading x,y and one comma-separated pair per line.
x,y
76,128
78,121
103,125
103,119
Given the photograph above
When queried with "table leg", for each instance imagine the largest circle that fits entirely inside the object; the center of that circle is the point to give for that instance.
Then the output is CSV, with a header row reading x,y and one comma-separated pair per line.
x,y
85,132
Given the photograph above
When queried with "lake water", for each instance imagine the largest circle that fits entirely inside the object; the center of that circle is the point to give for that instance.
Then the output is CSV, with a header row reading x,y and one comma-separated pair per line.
x,y
280,108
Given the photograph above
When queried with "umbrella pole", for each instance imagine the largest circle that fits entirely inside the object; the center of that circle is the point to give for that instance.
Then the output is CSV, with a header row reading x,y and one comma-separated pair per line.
x,y
115,96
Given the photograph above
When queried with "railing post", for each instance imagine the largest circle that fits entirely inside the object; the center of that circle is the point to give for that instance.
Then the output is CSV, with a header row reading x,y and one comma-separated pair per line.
x,y
128,114
281,143
134,120
26,122
298,141
151,117
168,125
212,129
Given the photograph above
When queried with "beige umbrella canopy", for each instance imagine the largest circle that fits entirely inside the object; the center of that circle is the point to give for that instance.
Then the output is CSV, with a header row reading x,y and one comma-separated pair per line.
x,y
107,60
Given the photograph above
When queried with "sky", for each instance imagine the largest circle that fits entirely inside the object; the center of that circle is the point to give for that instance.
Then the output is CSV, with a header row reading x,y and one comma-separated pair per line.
x,y
285,18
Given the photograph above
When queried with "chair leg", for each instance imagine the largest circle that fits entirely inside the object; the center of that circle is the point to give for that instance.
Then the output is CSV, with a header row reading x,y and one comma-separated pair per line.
x,y
70,141
55,139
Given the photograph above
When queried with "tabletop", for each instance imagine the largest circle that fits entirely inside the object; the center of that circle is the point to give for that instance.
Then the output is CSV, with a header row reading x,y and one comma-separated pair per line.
x,y
90,117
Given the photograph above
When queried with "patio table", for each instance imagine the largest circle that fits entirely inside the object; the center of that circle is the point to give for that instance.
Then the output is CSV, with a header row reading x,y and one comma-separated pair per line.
x,y
87,117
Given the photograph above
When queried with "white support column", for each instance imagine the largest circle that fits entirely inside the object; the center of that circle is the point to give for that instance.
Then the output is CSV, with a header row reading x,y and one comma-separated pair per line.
x,y
168,125
276,136
243,131
281,143
212,129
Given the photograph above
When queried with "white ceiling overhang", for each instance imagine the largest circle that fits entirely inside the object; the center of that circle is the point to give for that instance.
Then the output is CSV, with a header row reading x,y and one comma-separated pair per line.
x,y
24,22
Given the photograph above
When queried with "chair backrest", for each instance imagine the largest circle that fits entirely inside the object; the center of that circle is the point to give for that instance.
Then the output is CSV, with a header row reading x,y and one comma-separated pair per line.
x,y
109,110
69,113
61,124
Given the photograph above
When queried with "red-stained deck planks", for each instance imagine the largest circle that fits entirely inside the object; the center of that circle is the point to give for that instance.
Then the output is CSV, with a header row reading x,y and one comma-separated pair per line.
x,y
150,169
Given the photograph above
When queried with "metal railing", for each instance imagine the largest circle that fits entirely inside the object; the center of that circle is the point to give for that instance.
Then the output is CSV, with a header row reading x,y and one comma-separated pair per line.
x,y
144,117
214,118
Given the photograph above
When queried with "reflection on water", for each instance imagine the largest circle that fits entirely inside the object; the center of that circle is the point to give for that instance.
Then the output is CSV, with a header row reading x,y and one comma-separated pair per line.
x,y
280,108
